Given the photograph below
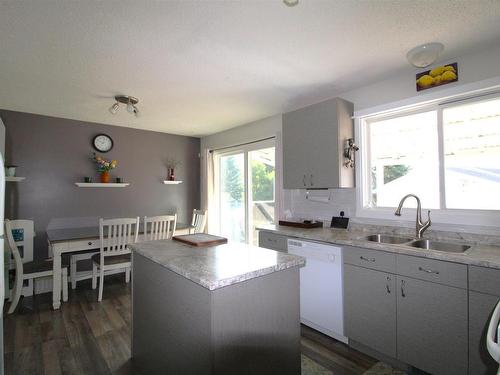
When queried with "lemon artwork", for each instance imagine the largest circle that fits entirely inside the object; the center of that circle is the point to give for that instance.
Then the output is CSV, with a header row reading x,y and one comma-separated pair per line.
x,y
437,76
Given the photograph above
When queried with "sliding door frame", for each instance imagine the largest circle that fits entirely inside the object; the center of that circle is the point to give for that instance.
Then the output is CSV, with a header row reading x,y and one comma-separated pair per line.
x,y
245,150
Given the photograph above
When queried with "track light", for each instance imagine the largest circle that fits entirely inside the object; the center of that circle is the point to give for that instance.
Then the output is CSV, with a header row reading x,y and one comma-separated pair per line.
x,y
129,101
114,108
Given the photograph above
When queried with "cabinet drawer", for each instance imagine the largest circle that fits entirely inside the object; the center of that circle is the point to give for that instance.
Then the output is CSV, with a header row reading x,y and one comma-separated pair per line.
x,y
437,271
84,245
373,259
272,241
484,280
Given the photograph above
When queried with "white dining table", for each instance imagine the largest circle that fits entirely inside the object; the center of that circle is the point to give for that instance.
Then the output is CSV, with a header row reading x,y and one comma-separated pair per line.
x,y
78,239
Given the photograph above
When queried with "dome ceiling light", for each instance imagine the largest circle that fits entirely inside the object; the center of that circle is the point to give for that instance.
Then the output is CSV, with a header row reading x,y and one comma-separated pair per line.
x,y
291,3
129,101
425,54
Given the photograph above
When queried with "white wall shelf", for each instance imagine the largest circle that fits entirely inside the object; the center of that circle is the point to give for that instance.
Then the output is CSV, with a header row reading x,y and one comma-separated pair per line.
x,y
175,182
101,185
14,179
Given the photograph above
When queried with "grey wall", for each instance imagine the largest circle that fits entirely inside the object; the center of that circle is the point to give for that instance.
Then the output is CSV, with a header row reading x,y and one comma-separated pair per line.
x,y
54,153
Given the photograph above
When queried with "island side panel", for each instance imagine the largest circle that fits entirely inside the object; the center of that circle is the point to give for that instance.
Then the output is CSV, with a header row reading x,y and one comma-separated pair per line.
x,y
256,326
170,321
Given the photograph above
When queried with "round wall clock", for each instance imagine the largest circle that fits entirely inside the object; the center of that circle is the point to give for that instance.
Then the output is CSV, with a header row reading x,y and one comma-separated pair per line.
x,y
102,142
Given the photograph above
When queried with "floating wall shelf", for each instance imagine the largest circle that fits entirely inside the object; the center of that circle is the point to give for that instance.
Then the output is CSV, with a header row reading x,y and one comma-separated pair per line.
x,y
100,185
14,179
176,182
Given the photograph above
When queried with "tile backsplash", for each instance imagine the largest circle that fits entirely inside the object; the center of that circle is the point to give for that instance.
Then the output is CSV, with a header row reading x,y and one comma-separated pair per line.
x,y
319,204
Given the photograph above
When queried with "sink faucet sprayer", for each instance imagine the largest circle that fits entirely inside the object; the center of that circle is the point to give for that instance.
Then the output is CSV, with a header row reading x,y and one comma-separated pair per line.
x,y
420,227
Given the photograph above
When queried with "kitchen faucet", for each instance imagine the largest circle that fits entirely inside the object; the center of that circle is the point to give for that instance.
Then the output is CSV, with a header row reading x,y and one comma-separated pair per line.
x,y
420,227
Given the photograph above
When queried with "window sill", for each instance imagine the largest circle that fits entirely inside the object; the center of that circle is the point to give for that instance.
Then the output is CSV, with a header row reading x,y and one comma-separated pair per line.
x,y
461,221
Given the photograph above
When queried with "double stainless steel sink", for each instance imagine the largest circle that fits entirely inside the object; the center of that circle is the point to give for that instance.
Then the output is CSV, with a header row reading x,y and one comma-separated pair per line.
x,y
420,243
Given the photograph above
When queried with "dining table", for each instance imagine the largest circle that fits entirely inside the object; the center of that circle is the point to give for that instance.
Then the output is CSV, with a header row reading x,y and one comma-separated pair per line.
x,y
77,240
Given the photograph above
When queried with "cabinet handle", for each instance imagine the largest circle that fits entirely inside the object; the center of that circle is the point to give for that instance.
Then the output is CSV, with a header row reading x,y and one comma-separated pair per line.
x,y
304,180
428,271
403,294
89,243
367,259
311,180
387,285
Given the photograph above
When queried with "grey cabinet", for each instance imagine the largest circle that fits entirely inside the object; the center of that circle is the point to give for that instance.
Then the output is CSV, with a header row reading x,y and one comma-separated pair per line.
x,y
313,139
370,308
410,308
432,326
272,241
484,293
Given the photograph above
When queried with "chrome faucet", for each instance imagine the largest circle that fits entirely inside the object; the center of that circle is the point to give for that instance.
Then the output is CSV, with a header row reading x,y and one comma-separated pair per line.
x,y
420,227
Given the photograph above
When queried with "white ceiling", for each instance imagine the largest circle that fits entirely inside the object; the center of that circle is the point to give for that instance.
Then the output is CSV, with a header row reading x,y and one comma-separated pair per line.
x,y
199,67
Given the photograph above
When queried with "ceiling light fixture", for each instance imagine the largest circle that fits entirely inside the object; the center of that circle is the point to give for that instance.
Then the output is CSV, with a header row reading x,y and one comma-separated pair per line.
x,y
291,3
425,54
129,101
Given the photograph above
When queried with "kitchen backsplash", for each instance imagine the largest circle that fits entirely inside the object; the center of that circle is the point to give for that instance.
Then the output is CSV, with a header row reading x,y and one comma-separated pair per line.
x,y
319,204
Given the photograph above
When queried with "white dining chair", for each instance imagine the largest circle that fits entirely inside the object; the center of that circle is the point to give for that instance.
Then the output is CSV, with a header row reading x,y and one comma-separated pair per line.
x,y
198,221
492,336
115,235
159,227
29,270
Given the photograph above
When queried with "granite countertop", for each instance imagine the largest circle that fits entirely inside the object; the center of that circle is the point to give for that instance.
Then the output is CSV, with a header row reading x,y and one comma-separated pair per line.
x,y
483,255
216,266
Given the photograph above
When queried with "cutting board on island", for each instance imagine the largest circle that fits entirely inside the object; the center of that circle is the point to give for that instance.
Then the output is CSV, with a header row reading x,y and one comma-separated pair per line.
x,y
200,239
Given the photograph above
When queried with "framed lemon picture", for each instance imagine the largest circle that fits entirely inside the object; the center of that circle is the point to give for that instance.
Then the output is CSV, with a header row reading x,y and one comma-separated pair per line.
x,y
440,75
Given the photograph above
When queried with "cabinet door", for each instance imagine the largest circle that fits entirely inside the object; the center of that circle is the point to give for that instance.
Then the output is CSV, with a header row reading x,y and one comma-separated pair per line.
x,y
272,241
370,308
297,140
432,326
480,308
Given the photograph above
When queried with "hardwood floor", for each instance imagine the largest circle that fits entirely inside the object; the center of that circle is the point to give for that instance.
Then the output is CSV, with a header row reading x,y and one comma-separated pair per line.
x,y
87,337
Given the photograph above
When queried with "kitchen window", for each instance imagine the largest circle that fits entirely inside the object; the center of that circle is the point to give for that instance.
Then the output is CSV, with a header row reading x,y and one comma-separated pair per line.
x,y
447,154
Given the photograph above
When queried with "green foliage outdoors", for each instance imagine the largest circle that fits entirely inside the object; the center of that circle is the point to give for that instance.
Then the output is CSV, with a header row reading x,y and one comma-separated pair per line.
x,y
262,181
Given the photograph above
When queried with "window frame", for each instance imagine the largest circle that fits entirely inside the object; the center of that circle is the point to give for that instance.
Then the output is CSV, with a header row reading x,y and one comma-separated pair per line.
x,y
442,215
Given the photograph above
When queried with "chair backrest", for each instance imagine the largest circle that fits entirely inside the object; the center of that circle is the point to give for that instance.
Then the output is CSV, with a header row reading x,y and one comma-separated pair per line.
x,y
159,227
199,220
23,232
116,234
13,247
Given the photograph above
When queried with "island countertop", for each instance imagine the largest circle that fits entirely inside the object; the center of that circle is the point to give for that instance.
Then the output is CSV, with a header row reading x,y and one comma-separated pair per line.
x,y
214,267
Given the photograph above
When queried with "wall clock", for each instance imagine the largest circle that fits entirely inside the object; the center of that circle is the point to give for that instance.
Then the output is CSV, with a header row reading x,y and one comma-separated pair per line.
x,y
102,142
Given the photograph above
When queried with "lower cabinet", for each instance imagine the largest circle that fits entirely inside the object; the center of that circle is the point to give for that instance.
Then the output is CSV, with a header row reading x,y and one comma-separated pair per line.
x,y
484,294
432,326
370,308
418,320
272,241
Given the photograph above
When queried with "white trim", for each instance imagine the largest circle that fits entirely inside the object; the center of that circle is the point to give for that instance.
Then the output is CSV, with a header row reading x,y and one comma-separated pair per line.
x,y
244,149
441,95
444,216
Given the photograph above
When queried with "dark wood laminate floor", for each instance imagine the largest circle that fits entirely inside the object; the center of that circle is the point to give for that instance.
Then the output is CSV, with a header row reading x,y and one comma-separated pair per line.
x,y
87,337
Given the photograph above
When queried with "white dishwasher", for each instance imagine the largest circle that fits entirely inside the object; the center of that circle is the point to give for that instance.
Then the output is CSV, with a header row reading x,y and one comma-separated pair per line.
x,y
321,291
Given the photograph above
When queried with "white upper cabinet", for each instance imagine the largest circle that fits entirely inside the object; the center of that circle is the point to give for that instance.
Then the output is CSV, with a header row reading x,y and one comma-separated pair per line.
x,y
313,146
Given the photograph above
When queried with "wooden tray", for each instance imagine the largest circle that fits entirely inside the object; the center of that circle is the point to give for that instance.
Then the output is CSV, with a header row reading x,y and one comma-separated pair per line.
x,y
200,239
299,224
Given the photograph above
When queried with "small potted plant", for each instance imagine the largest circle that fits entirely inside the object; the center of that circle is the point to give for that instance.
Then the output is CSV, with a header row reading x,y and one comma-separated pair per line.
x,y
171,164
104,166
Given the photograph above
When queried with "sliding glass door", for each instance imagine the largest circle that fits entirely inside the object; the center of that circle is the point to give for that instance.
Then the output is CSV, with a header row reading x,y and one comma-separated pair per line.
x,y
246,190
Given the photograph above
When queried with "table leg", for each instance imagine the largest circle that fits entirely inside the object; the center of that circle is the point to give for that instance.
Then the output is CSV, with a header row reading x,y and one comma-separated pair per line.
x,y
56,284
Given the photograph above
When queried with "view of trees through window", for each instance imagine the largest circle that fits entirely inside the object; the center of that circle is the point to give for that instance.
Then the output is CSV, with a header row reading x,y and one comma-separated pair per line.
x,y
261,201
404,157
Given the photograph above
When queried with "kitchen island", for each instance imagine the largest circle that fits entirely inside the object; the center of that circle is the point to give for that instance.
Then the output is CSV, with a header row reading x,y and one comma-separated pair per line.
x,y
226,309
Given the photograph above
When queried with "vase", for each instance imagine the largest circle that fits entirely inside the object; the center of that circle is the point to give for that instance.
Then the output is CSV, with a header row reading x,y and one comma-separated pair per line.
x,y
105,177
171,174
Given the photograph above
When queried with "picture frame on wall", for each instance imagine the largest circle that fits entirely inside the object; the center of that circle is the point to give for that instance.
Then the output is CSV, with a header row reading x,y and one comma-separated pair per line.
x,y
438,76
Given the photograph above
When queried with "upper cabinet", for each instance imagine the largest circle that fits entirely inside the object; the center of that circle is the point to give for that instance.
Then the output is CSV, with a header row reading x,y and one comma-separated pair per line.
x,y
313,146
